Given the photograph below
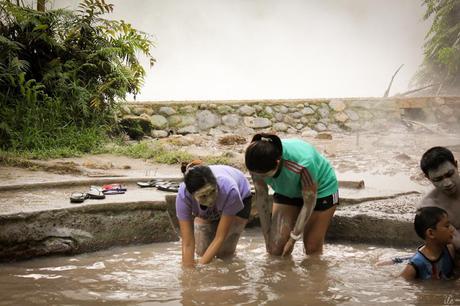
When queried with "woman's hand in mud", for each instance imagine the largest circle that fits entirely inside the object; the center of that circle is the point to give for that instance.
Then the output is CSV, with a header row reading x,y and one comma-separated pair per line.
x,y
288,247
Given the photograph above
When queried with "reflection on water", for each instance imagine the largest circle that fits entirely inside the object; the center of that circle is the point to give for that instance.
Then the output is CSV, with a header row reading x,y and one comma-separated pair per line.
x,y
152,275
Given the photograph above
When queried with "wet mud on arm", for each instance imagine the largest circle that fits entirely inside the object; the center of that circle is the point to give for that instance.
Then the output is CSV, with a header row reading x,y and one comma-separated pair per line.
x,y
309,190
264,207
222,231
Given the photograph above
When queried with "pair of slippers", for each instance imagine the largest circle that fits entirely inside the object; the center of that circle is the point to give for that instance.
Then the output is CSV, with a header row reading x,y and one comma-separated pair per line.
x,y
113,189
162,185
97,193
93,193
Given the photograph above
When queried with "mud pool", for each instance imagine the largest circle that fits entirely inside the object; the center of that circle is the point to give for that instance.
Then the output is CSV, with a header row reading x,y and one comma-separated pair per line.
x,y
152,275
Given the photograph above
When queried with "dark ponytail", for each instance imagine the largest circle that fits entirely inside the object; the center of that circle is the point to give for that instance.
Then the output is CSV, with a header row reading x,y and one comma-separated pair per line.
x,y
263,153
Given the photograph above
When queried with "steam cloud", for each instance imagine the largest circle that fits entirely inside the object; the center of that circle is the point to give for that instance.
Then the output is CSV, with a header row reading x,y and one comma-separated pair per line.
x,y
270,49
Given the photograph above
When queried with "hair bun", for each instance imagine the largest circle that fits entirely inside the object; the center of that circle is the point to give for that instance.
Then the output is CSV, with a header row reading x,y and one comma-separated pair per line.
x,y
185,166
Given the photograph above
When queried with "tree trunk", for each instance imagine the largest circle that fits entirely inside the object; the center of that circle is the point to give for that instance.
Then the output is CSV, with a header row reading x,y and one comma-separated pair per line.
x,y
41,5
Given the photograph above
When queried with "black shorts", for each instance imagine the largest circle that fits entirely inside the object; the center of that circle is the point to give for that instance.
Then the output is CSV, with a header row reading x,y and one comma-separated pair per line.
x,y
321,203
244,213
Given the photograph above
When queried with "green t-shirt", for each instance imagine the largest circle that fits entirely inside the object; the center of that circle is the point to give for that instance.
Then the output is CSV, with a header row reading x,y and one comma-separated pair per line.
x,y
297,156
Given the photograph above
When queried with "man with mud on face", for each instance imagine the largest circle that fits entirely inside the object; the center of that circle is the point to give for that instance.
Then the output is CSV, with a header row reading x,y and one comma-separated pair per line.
x,y
212,206
440,167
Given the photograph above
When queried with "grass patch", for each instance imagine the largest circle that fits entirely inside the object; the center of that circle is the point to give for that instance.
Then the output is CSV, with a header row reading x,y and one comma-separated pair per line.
x,y
150,150
156,152
69,142
217,160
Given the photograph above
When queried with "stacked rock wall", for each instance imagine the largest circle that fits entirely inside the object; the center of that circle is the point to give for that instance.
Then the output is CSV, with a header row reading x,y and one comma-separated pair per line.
x,y
159,119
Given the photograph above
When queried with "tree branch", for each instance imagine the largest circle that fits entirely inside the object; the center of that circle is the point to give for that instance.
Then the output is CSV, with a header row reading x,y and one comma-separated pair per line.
x,y
415,90
387,92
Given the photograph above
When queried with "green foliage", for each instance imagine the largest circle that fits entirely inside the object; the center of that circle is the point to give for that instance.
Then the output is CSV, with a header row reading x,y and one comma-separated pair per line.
x,y
62,74
442,46
65,143
265,114
136,127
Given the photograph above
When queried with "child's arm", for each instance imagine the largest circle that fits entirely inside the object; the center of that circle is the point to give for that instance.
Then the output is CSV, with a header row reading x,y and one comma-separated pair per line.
x,y
455,254
394,260
409,272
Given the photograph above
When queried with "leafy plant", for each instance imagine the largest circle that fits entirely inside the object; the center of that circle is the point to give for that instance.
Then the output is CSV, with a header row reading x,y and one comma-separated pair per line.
x,y
441,63
63,73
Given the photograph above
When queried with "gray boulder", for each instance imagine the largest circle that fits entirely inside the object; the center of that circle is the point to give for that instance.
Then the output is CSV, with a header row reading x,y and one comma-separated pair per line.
x,y
257,122
280,127
167,111
206,120
246,110
159,122
232,120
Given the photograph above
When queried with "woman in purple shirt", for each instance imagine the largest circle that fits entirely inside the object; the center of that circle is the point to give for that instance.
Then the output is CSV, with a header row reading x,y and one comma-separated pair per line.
x,y
213,206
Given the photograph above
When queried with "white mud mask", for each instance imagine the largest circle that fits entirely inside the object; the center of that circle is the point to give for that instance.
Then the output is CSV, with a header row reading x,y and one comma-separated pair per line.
x,y
270,173
206,195
445,177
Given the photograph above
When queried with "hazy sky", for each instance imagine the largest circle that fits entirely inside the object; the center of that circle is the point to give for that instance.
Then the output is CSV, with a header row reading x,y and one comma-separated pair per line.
x,y
261,49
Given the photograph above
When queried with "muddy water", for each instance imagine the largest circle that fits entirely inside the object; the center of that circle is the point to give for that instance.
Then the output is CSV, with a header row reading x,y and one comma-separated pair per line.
x,y
152,275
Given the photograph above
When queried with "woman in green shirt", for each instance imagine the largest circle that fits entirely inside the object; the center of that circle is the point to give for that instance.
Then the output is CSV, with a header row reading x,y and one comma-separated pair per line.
x,y
306,192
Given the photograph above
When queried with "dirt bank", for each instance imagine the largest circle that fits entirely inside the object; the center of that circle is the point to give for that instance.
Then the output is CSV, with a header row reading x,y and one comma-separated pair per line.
x,y
39,191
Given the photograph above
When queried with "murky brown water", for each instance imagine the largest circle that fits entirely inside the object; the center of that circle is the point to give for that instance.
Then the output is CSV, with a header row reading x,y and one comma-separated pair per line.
x,y
152,275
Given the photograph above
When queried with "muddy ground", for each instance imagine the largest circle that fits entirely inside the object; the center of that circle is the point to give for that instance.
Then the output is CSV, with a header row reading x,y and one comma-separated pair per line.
x,y
387,160
35,194
390,152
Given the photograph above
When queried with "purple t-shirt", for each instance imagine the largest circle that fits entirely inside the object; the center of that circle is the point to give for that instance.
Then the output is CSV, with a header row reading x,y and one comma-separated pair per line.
x,y
232,186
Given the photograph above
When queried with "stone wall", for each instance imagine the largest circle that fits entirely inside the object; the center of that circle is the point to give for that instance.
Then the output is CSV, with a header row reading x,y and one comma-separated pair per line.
x,y
160,119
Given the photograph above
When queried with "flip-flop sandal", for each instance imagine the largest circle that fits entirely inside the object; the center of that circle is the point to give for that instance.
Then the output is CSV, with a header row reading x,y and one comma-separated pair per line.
x,y
113,189
151,183
114,186
95,193
78,197
171,187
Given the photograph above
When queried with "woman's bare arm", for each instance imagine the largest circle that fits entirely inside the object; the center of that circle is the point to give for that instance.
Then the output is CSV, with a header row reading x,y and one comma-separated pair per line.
x,y
223,229
188,243
309,190
263,207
